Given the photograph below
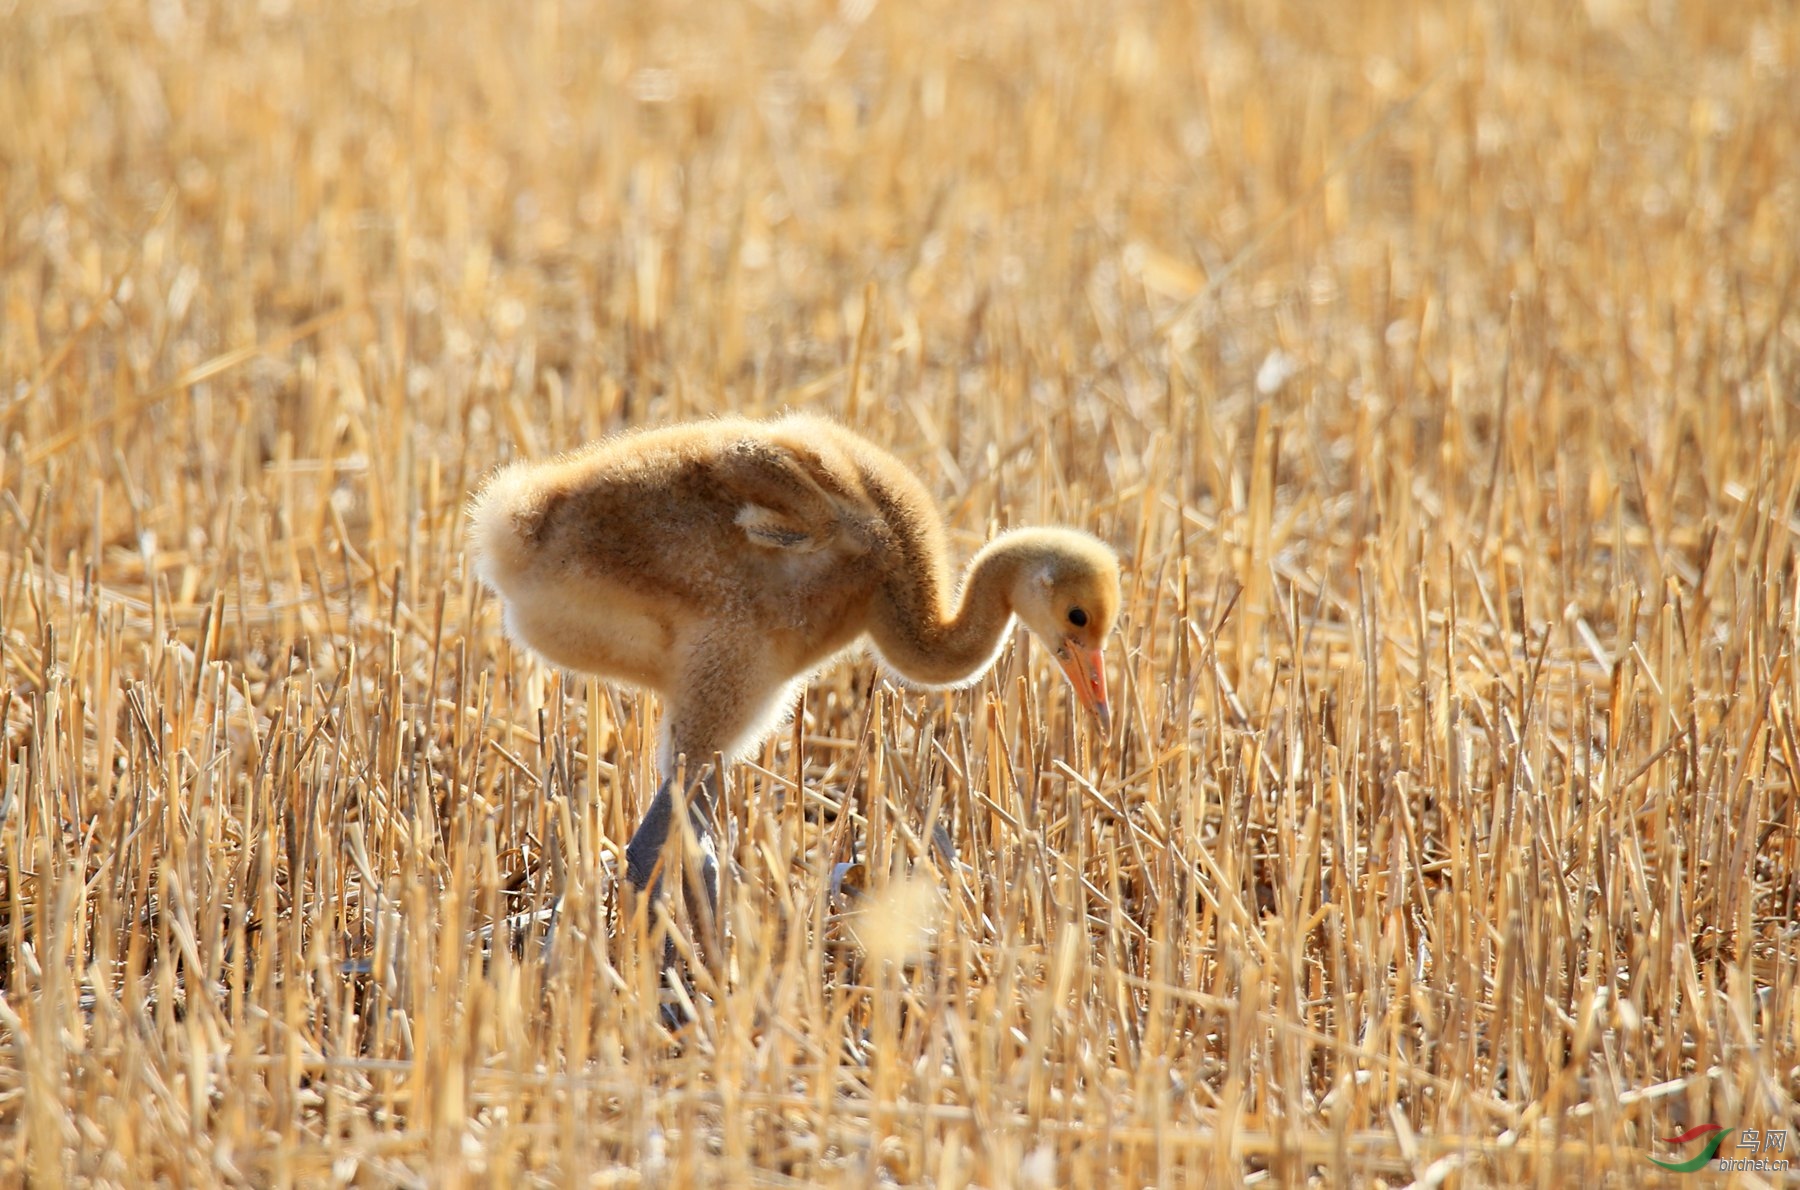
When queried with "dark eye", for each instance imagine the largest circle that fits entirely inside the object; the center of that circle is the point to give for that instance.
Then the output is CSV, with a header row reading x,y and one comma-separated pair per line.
x,y
1077,617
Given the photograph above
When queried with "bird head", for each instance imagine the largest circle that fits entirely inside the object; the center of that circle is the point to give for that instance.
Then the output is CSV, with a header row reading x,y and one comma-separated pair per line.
x,y
1069,599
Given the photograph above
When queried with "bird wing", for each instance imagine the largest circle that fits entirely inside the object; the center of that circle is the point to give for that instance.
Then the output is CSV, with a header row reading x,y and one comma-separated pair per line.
x,y
781,505
770,527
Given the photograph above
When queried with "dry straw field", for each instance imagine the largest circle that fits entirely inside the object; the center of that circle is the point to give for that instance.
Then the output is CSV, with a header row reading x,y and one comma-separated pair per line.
x,y
1435,368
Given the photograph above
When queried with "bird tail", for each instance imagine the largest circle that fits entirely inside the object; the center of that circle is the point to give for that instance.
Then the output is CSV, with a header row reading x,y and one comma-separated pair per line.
x,y
507,519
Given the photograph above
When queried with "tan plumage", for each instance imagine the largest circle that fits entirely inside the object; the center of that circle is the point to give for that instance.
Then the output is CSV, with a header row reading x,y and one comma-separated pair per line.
x,y
719,563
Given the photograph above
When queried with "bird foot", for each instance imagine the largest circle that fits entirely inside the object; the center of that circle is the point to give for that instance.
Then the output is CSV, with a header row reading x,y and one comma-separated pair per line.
x,y
675,1017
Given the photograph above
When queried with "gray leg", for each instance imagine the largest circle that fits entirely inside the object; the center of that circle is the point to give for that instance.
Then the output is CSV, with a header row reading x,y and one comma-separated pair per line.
x,y
651,842
702,880
647,842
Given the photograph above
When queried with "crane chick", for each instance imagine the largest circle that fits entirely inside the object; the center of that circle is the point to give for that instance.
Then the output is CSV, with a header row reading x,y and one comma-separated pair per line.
x,y
720,563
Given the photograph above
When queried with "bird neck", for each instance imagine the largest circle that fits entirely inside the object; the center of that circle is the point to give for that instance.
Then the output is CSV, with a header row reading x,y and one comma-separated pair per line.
x,y
927,643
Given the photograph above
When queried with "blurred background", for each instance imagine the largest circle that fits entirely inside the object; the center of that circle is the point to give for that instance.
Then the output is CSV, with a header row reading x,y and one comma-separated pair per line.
x,y
451,235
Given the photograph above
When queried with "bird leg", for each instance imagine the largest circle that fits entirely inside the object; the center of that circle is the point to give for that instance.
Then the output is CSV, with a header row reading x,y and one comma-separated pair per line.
x,y
700,883
649,856
725,690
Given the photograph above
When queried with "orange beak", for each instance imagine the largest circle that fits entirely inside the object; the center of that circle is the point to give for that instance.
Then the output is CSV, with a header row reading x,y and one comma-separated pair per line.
x,y
1086,671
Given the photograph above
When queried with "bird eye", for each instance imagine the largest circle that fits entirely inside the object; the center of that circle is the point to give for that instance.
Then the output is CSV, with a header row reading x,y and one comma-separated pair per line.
x,y
1077,617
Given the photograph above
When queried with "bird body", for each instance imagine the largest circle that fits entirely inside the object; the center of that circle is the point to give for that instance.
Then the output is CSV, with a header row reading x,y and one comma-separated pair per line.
x,y
743,555
720,563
